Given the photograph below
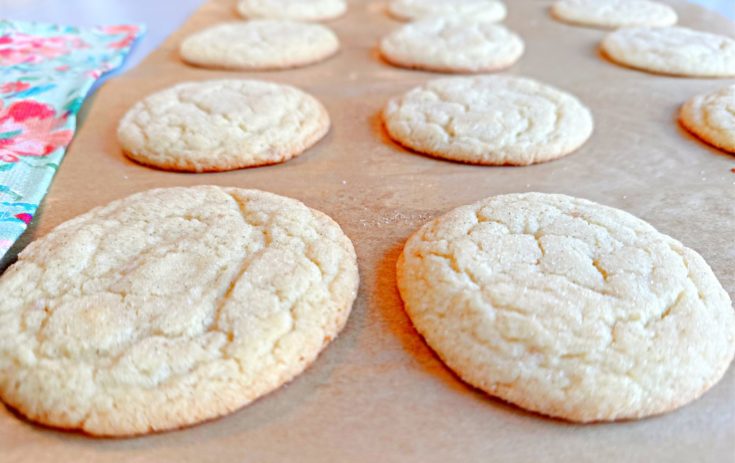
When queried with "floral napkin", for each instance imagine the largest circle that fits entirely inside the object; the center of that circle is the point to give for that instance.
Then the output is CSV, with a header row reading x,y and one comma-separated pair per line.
x,y
45,72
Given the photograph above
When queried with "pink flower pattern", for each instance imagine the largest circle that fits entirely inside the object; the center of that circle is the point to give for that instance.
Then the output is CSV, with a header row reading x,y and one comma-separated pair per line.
x,y
30,128
130,31
46,71
20,48
13,87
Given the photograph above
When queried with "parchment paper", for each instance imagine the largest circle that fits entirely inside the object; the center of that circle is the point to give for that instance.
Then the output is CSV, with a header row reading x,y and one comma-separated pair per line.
x,y
378,393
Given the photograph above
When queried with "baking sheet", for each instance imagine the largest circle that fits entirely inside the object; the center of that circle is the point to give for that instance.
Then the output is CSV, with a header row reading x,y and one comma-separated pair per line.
x,y
378,393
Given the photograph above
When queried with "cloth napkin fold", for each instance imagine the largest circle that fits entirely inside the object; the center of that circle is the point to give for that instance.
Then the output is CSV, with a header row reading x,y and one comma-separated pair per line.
x,y
46,71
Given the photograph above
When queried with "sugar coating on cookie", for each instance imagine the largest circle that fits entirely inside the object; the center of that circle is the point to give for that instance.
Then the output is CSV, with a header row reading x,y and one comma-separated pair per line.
x,y
711,117
218,125
298,10
486,10
672,50
567,308
259,44
614,13
452,44
170,307
492,120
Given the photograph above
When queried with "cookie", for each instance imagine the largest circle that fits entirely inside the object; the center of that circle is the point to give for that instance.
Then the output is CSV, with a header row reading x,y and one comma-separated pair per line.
x,y
567,308
672,50
298,10
452,44
614,13
170,307
259,45
711,117
493,120
486,10
219,125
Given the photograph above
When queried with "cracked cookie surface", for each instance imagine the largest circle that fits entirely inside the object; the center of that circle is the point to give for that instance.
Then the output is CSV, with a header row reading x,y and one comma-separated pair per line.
x,y
491,120
452,44
259,44
711,117
672,50
408,10
218,125
170,307
614,13
298,10
567,308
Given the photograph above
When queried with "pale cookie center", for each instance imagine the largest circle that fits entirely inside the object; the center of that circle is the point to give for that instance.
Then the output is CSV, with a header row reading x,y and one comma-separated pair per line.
x,y
169,310
500,118
718,112
89,326
565,255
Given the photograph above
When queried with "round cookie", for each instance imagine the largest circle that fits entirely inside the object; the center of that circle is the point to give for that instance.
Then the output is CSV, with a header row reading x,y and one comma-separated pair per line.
x,y
297,10
711,117
567,308
485,10
452,44
259,45
492,120
614,13
219,125
672,50
170,307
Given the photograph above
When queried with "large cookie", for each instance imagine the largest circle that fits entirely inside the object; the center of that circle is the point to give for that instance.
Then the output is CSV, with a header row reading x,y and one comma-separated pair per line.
x,y
672,50
567,308
170,307
298,10
491,120
614,13
452,44
711,117
259,45
221,125
486,10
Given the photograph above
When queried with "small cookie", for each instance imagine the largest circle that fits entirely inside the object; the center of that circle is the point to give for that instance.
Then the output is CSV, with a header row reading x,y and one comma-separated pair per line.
x,y
219,125
614,13
259,45
452,44
567,308
297,10
485,10
170,307
711,117
672,50
493,120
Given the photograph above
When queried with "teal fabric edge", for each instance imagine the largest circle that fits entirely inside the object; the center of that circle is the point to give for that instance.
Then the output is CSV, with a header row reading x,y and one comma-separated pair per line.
x,y
59,93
